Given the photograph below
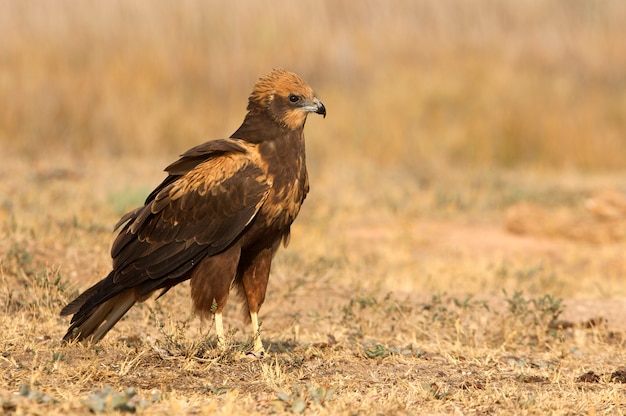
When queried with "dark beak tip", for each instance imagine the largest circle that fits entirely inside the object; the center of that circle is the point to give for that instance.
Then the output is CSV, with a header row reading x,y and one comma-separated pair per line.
x,y
321,110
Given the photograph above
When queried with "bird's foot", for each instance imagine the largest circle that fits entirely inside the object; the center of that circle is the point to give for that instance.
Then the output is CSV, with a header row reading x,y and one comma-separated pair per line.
x,y
255,355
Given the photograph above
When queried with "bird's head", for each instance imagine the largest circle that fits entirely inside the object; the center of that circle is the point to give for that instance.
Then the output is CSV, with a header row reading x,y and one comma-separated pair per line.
x,y
286,97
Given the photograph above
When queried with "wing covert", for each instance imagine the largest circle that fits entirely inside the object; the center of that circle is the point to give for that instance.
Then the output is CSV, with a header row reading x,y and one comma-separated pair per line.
x,y
191,215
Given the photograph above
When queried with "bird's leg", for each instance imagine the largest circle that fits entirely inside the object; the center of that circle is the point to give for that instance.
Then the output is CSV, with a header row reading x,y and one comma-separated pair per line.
x,y
254,284
256,334
219,330
210,284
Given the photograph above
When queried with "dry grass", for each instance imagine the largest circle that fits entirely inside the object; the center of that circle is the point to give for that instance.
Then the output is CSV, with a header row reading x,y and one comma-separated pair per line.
x,y
425,305
503,83
444,263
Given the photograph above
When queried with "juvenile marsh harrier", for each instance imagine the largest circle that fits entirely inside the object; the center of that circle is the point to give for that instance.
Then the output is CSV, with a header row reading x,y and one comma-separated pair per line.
x,y
218,218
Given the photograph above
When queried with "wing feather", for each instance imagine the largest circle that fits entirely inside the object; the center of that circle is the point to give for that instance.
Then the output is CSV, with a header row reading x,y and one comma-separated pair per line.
x,y
194,213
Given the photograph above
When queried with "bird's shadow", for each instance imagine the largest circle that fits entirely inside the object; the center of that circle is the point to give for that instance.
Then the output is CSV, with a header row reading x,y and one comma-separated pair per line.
x,y
281,346
210,350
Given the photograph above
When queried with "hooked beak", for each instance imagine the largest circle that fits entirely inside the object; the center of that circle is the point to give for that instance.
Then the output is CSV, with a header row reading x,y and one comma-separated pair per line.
x,y
320,107
315,106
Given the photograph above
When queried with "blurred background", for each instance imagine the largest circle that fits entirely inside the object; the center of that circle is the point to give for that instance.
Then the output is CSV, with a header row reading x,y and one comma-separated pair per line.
x,y
411,85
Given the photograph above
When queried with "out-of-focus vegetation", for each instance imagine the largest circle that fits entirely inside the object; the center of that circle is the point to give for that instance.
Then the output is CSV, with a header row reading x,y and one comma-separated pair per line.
x,y
496,83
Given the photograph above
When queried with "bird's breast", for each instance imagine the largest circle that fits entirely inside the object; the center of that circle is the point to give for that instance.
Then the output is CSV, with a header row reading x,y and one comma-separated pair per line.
x,y
284,202
285,163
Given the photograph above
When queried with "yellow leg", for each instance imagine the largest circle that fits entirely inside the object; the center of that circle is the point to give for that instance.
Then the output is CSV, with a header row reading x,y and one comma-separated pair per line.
x,y
258,345
219,330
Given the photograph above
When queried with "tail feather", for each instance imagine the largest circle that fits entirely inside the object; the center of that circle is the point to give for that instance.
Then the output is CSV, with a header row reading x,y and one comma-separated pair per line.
x,y
77,304
93,324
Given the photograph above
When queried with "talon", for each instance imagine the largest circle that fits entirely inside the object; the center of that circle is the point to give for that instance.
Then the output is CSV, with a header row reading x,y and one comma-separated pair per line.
x,y
255,354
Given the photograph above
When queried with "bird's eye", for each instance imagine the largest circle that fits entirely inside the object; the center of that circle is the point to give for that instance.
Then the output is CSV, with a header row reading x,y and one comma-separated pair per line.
x,y
294,98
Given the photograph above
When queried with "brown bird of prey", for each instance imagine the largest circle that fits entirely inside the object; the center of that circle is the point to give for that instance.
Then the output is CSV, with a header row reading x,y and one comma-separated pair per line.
x,y
217,219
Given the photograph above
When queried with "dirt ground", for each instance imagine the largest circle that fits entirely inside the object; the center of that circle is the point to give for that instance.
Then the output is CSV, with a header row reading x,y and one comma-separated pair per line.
x,y
479,239
408,299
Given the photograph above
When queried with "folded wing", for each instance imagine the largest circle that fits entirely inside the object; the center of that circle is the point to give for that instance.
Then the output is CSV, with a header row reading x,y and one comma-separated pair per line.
x,y
213,192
